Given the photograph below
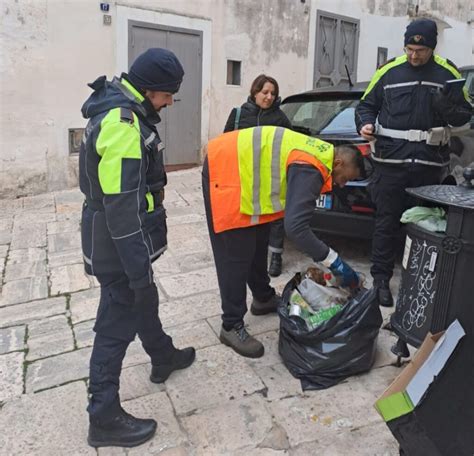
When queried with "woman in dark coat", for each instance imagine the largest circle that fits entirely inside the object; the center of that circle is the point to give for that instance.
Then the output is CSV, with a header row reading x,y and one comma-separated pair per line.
x,y
263,108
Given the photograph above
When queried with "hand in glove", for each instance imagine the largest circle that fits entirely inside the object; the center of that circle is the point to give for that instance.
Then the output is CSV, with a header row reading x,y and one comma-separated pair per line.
x,y
147,296
450,105
349,277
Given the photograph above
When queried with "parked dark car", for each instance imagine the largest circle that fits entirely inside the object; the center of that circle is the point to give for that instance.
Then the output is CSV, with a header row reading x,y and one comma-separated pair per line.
x,y
328,113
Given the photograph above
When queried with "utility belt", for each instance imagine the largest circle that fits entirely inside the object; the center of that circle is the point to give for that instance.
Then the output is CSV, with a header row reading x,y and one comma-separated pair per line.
x,y
436,136
153,200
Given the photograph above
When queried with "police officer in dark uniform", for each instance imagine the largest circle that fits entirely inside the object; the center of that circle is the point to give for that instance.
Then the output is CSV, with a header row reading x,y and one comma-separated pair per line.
x,y
122,177
406,110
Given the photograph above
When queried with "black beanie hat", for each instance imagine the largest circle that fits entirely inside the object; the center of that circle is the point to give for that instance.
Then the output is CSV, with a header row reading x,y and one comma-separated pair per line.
x,y
156,69
422,32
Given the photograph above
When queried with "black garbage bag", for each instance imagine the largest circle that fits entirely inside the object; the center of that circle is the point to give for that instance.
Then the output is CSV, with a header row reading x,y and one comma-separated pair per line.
x,y
340,347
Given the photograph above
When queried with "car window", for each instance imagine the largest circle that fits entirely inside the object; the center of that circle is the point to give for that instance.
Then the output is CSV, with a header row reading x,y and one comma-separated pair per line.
x,y
322,116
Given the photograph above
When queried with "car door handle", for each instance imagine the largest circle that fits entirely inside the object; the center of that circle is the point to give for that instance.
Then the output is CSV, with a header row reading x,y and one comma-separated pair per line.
x,y
176,99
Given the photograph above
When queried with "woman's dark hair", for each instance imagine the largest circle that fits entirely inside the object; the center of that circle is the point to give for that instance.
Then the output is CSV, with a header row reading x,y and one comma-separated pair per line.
x,y
259,82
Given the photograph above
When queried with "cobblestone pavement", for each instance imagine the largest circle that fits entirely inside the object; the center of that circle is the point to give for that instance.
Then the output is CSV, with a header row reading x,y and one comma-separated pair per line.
x,y
222,405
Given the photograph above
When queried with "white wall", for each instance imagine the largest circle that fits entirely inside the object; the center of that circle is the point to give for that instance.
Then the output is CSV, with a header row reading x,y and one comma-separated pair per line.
x,y
50,50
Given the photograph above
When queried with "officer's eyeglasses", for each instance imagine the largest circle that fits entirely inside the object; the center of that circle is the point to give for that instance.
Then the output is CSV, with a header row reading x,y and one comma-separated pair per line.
x,y
420,52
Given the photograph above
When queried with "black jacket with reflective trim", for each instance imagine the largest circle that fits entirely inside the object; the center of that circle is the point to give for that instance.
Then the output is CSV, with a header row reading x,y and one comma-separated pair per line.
x,y
252,115
120,230
400,96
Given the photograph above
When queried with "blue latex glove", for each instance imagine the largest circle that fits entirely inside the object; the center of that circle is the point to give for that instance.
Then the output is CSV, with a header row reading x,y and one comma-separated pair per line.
x,y
347,275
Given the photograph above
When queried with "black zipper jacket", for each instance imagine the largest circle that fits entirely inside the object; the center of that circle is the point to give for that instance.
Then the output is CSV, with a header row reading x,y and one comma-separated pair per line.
x,y
122,176
252,115
401,97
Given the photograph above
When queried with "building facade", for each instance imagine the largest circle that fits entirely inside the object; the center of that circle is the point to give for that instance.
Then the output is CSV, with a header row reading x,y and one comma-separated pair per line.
x,y
51,49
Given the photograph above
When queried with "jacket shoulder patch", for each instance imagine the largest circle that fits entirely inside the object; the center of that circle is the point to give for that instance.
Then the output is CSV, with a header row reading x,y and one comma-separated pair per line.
x,y
126,115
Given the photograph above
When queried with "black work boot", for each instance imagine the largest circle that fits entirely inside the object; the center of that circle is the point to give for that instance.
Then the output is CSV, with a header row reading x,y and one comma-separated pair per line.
x,y
242,342
384,295
179,360
275,265
262,308
123,430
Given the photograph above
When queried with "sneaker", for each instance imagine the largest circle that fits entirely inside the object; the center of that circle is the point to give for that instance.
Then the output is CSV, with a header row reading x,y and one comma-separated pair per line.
x,y
242,342
384,295
124,430
180,360
275,265
263,308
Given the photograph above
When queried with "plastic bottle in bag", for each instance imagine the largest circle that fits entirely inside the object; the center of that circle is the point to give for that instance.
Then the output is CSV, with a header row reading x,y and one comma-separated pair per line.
x,y
322,315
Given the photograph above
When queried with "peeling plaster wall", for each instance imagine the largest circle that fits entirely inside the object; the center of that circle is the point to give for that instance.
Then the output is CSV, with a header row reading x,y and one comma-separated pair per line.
x,y
50,49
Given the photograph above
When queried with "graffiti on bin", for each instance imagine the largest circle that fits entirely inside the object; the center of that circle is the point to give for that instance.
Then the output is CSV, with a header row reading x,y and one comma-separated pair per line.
x,y
421,293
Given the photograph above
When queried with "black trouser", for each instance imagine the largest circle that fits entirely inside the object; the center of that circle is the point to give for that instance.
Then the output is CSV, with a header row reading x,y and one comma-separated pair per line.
x,y
117,323
387,190
277,236
240,256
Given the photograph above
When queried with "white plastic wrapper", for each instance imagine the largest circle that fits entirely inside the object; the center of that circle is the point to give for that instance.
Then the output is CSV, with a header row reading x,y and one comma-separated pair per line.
x,y
321,297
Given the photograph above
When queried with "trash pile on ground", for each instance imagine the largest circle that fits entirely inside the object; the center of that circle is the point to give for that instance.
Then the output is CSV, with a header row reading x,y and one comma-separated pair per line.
x,y
327,332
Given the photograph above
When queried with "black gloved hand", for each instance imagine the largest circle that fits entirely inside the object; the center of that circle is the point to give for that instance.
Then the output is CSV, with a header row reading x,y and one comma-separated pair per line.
x,y
147,296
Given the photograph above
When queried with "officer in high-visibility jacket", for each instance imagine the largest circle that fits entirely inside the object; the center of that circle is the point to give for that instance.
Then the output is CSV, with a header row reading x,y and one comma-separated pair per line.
x,y
122,177
406,108
250,178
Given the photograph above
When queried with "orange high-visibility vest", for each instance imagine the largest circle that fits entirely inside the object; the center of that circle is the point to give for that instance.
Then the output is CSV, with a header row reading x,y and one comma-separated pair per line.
x,y
226,181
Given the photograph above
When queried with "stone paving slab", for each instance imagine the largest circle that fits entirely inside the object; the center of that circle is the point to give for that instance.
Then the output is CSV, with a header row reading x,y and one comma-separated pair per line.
x,y
57,370
63,258
237,424
180,285
191,308
31,311
52,423
346,406
373,440
84,335
64,241
39,203
187,246
271,356
278,381
197,334
169,433
69,278
11,377
12,339
24,290
50,336
184,218
17,271
5,237
30,255
64,226
135,382
33,218
83,304
33,236
217,375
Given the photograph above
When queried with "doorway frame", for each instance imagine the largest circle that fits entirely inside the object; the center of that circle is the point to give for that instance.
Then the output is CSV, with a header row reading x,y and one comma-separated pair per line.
x,y
187,24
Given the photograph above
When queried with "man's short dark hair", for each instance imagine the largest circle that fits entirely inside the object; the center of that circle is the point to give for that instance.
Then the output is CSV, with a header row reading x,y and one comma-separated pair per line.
x,y
354,157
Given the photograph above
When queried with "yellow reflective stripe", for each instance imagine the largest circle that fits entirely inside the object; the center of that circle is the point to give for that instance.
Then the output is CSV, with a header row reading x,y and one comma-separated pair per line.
x,y
256,177
267,154
150,201
132,89
245,158
117,140
380,72
275,192
457,75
